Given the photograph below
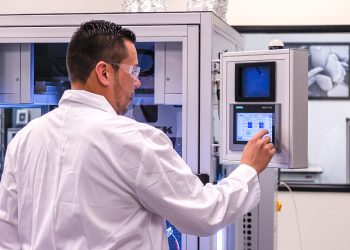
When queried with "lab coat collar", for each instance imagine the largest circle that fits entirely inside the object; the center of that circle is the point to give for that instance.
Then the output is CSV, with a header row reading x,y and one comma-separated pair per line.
x,y
87,98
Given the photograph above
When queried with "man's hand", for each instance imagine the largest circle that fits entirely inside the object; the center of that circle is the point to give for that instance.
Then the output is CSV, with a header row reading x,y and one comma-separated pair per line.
x,y
259,151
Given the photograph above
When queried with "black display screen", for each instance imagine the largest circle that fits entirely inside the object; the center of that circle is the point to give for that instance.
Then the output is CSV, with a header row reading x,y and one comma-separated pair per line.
x,y
255,82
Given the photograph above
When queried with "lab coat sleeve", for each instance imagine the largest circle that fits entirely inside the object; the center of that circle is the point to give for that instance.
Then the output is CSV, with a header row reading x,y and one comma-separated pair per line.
x,y
166,186
8,207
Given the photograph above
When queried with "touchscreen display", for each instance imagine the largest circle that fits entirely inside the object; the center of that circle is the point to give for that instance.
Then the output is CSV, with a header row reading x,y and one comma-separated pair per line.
x,y
248,119
249,124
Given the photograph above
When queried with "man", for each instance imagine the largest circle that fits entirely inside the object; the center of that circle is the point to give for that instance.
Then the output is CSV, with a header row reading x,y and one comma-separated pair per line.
x,y
85,177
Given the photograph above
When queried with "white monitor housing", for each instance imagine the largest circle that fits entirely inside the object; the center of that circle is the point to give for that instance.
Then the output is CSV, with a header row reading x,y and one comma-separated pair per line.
x,y
265,89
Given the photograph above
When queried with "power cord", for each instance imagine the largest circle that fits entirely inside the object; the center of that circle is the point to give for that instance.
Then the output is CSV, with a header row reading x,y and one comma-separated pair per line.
x,y
296,213
170,233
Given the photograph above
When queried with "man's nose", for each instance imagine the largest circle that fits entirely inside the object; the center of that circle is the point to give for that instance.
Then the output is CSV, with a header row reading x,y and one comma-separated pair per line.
x,y
137,83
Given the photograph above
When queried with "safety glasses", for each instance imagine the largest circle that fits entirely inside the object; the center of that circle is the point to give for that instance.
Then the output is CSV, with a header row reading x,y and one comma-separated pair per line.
x,y
134,71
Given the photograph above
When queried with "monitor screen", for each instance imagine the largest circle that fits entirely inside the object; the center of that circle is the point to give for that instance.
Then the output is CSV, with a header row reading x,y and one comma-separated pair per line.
x,y
249,124
255,82
248,119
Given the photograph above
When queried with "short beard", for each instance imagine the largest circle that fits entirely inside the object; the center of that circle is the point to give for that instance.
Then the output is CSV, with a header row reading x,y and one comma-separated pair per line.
x,y
121,110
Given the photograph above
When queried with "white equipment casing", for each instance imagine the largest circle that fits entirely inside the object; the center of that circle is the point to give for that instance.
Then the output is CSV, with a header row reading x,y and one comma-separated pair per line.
x,y
291,95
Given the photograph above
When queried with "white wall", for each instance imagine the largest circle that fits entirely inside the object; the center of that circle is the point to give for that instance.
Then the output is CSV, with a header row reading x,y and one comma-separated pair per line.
x,y
62,6
296,12
76,6
327,139
324,221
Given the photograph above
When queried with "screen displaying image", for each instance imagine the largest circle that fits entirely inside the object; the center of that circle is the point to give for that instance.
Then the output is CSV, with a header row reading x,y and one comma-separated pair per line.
x,y
256,81
249,124
248,119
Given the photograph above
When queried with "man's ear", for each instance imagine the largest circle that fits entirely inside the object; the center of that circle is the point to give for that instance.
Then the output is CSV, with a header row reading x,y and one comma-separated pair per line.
x,y
103,73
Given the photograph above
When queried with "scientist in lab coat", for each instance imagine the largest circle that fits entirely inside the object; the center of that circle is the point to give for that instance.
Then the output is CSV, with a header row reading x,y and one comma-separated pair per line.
x,y
85,177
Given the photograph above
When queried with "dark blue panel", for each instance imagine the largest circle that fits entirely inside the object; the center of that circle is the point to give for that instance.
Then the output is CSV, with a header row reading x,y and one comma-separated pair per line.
x,y
256,81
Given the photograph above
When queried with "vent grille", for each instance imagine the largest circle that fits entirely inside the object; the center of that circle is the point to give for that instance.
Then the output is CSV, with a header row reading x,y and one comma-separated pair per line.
x,y
247,232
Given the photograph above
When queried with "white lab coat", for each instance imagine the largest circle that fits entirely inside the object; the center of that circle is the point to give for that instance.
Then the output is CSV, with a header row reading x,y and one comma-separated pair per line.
x,y
82,177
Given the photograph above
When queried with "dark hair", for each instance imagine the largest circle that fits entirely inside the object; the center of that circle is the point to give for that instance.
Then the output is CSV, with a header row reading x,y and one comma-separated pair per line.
x,y
92,42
